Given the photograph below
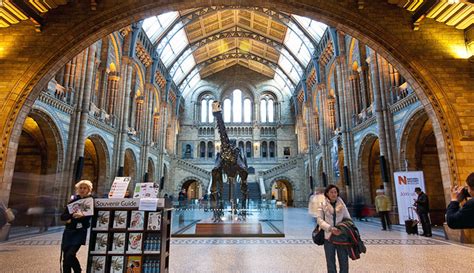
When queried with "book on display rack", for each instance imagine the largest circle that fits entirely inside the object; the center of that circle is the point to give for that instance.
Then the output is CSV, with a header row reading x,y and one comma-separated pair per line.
x,y
126,239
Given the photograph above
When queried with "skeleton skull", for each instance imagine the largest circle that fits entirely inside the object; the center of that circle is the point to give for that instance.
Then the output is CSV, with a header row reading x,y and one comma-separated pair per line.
x,y
216,107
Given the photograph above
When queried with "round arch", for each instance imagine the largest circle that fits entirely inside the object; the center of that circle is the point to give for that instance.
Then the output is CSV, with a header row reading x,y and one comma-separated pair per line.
x,y
151,170
369,169
194,186
361,25
37,176
418,152
130,165
289,196
96,163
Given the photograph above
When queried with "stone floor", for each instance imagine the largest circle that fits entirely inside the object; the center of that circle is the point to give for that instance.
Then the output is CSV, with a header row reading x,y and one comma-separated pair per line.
x,y
387,251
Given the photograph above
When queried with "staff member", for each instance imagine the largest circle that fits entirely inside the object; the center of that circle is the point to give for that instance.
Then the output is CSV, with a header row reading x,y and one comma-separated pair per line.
x,y
75,232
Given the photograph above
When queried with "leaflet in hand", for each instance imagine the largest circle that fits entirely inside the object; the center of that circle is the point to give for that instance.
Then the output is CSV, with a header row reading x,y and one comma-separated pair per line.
x,y
83,206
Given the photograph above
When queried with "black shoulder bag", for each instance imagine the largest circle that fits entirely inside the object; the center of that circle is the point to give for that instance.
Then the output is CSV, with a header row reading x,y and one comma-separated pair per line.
x,y
318,234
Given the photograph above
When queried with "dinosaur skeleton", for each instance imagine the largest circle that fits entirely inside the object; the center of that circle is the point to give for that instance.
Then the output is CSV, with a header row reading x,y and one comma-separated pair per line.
x,y
231,161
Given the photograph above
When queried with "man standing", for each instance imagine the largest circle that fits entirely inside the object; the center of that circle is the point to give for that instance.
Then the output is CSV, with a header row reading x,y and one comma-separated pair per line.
x,y
383,205
456,217
423,208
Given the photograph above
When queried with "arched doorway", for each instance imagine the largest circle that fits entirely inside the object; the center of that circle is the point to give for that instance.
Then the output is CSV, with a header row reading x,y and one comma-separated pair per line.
x,y
130,165
193,189
370,176
419,152
151,170
36,177
95,163
319,173
282,191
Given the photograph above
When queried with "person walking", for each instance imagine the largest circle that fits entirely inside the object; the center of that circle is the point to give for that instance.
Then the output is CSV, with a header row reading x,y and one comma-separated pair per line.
x,y
383,205
315,200
422,205
75,232
331,212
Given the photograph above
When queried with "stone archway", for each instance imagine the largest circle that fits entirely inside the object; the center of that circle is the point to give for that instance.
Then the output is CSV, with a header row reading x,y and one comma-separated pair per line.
x,y
319,172
370,177
151,170
37,173
194,187
96,163
418,151
283,189
130,165
417,61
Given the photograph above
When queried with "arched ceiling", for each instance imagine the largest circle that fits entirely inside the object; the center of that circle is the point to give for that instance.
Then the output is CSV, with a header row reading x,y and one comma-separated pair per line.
x,y
194,44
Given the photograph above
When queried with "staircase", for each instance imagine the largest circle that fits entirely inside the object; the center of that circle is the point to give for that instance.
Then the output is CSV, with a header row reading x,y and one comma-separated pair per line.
x,y
253,191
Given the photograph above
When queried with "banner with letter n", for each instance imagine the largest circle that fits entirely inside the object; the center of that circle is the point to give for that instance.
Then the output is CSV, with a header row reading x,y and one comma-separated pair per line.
x,y
405,184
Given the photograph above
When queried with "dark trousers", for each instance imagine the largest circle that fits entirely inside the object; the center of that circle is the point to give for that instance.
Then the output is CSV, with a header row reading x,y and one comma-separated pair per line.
x,y
70,260
330,251
385,219
425,223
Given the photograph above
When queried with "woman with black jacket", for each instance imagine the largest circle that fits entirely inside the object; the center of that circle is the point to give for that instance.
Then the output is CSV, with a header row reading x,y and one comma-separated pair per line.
x,y
75,232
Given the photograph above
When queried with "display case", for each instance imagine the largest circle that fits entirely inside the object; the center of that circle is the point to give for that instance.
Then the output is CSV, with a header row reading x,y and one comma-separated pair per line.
x,y
126,239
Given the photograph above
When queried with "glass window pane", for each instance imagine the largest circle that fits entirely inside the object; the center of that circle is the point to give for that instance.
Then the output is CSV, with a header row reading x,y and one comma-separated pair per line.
x,y
247,110
227,108
270,110
211,116
237,105
203,110
263,111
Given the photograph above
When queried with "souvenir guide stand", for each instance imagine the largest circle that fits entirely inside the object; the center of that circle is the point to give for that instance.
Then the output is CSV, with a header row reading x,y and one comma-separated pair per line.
x,y
126,239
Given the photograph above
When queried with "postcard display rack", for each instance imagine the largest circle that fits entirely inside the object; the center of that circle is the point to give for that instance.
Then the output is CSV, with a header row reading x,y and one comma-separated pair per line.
x,y
125,239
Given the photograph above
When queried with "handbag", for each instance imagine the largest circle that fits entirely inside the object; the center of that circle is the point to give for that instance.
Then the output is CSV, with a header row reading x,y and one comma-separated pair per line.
x,y
318,236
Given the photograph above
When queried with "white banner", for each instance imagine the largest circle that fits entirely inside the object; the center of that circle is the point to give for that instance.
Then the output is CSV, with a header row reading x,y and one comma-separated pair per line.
x,y
405,184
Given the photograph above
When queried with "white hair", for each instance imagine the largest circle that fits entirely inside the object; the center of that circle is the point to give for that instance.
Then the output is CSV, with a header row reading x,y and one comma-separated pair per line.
x,y
88,183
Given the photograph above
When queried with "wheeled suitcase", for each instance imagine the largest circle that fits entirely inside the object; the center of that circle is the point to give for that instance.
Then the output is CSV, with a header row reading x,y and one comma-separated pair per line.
x,y
411,225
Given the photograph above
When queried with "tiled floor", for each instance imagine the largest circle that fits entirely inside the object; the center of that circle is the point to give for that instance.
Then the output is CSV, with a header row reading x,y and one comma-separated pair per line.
x,y
392,251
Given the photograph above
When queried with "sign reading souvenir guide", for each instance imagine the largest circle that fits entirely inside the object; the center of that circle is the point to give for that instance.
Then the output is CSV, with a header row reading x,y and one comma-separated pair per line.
x,y
119,187
125,238
82,206
405,184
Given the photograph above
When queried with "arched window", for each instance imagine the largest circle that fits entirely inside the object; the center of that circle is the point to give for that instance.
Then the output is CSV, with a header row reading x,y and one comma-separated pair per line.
x,y
210,149
248,149
206,109
264,149
270,112
272,149
267,109
241,146
237,106
227,110
247,110
263,111
202,149
211,116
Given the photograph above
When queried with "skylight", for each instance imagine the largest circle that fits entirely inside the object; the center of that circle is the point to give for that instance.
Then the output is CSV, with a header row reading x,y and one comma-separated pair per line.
x,y
190,82
156,25
315,29
174,46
